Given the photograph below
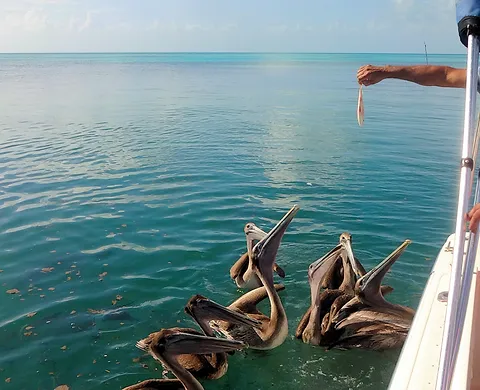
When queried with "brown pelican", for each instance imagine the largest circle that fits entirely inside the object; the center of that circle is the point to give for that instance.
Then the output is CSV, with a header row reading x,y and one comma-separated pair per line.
x,y
368,291
368,320
208,366
269,331
310,326
167,344
242,271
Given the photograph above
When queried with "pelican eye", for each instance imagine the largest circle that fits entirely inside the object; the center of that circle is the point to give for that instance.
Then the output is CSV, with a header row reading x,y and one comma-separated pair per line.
x,y
159,348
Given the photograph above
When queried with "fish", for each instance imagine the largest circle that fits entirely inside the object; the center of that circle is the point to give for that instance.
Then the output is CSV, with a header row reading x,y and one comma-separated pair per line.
x,y
360,109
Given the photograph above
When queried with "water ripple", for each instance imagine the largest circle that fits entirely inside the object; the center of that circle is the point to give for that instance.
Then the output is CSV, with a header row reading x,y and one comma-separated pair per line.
x,y
115,210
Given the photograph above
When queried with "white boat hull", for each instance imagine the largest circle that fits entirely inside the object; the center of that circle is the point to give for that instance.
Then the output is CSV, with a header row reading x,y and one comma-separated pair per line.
x,y
419,360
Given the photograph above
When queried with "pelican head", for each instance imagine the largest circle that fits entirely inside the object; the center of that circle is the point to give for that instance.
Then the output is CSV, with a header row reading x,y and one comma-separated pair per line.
x,y
346,243
252,233
265,251
368,285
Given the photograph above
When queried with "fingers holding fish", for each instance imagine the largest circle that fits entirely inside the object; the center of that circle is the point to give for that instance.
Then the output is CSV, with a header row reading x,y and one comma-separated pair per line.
x,y
370,74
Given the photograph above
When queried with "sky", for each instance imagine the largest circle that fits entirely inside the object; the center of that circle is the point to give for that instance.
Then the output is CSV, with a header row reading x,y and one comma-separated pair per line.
x,y
345,26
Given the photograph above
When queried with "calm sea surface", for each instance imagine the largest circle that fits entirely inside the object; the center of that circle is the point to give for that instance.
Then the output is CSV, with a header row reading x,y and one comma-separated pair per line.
x,y
128,179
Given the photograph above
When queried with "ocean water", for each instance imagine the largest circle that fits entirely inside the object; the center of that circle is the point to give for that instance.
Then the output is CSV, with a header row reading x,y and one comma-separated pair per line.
x,y
128,178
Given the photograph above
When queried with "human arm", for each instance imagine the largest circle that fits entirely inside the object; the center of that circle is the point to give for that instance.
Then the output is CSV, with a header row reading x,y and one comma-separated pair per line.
x,y
426,75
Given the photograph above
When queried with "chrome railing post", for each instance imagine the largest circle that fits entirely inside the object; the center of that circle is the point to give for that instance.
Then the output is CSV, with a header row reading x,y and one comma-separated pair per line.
x,y
452,331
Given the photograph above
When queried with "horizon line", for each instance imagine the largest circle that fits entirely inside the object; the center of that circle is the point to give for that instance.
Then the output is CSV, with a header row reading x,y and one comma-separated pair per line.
x,y
224,52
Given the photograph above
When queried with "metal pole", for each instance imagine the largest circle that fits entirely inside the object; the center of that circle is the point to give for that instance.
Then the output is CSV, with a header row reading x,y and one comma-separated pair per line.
x,y
448,355
471,250
466,281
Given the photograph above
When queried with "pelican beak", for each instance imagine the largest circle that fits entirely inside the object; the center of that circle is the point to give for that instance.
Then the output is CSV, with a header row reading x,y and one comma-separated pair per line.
x,y
318,269
203,310
265,251
184,343
374,277
252,233
346,243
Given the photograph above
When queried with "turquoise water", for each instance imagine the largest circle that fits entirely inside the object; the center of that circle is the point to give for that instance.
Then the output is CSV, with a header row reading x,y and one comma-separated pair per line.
x,y
134,174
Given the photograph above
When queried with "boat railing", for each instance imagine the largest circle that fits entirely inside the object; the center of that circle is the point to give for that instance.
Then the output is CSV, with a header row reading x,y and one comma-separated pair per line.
x,y
468,19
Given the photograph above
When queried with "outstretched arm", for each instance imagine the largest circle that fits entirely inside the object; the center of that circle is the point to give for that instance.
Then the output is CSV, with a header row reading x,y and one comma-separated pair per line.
x,y
427,75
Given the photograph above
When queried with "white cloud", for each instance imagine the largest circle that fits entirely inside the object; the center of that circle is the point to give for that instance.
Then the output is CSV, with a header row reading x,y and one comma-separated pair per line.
x,y
31,20
86,25
87,22
295,28
228,27
193,27
35,20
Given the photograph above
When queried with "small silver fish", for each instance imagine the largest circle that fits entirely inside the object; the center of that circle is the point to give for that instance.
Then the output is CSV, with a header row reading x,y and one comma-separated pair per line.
x,y
360,110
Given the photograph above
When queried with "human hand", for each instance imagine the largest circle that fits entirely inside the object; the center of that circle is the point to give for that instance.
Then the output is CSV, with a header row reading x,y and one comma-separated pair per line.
x,y
370,74
473,217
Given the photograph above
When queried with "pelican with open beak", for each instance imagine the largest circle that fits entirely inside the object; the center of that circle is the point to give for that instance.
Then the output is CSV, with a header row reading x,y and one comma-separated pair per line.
x,y
266,332
310,326
242,271
368,290
167,344
368,320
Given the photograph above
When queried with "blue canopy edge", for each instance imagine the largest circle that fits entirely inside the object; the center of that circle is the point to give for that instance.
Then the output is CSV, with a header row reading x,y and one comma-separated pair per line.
x,y
468,19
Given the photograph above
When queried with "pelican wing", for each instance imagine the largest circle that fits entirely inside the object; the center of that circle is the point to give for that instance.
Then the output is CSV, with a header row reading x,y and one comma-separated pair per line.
x,y
303,323
373,316
377,342
240,266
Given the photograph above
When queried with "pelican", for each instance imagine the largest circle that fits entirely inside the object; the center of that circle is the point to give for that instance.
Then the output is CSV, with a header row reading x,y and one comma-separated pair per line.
x,y
376,323
242,271
269,331
368,291
367,288
167,344
310,326
208,366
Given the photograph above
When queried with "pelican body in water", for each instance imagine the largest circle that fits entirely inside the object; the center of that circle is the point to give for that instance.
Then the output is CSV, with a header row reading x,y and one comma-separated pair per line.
x,y
368,320
242,272
167,344
269,331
